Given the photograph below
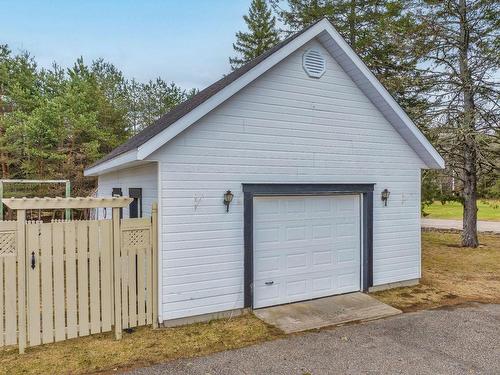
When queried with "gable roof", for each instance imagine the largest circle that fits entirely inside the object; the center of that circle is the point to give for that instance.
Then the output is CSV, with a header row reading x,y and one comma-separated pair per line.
x,y
185,107
140,146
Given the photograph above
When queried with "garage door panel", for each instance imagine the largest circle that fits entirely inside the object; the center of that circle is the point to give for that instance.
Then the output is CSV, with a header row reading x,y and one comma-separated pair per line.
x,y
294,206
342,246
322,284
268,234
317,251
346,228
267,208
345,256
295,233
323,258
296,289
321,205
297,262
267,264
346,281
300,287
322,231
346,204
268,294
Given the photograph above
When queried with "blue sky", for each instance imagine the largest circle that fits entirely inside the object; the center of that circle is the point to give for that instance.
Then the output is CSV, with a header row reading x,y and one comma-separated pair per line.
x,y
185,41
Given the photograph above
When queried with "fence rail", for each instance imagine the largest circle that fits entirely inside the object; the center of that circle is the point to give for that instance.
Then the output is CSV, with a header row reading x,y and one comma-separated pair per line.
x,y
67,278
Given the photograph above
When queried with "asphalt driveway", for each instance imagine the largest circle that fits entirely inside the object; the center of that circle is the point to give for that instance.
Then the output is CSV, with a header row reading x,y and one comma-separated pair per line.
x,y
458,340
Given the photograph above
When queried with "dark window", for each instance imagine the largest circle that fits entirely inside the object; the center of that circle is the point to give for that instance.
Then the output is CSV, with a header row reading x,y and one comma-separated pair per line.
x,y
118,192
135,209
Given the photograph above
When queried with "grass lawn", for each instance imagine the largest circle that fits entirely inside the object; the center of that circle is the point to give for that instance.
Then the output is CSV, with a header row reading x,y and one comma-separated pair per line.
x,y
488,210
451,274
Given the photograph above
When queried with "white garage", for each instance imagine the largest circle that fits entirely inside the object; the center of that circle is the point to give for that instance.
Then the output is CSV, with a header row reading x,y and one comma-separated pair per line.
x,y
305,247
294,177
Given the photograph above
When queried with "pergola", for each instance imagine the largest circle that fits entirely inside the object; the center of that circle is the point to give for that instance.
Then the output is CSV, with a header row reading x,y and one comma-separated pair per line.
x,y
11,181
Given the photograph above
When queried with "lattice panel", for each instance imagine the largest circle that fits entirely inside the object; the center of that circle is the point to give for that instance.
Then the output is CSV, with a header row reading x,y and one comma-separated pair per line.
x,y
7,244
136,238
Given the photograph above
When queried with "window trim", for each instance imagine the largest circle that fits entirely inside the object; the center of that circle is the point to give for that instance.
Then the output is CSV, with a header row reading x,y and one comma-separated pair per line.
x,y
136,194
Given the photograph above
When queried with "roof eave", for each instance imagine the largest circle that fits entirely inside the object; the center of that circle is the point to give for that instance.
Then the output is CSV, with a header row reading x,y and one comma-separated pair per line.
x,y
119,162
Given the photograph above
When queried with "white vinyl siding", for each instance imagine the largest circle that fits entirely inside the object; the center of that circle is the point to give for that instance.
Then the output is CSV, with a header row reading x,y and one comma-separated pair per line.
x,y
285,127
143,176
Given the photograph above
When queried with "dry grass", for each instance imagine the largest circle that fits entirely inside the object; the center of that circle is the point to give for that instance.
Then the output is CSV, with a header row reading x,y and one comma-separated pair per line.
x,y
451,274
101,353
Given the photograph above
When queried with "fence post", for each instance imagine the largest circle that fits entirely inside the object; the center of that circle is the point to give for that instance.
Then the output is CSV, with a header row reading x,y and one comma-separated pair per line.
x,y
1,202
67,211
117,297
154,273
21,278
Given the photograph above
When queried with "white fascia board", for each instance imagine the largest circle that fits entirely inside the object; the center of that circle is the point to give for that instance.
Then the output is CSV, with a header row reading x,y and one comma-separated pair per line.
x,y
437,160
183,123
112,164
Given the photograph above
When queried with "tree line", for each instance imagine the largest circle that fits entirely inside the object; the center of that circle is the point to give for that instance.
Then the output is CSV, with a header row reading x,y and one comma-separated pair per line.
x,y
55,122
440,59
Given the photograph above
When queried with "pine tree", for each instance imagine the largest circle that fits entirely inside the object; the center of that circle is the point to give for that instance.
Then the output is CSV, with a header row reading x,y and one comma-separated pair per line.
x,y
463,63
147,102
262,34
380,32
55,122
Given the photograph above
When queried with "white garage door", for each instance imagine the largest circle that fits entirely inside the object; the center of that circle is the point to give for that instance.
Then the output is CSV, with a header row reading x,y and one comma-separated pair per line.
x,y
305,247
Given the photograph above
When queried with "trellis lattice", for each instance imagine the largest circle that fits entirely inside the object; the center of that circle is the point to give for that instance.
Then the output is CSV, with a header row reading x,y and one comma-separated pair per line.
x,y
136,238
7,244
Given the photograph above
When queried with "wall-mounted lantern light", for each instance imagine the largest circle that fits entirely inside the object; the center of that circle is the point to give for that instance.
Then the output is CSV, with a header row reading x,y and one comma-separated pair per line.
x,y
228,197
385,196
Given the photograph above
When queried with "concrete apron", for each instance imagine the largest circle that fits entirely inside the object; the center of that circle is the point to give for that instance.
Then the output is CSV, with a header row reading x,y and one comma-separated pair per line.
x,y
322,312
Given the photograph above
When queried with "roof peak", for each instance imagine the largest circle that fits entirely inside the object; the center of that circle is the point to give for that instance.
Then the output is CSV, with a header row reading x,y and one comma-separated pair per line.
x,y
183,115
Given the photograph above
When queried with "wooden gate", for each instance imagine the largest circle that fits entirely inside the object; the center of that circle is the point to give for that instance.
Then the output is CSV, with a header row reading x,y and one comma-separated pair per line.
x,y
75,278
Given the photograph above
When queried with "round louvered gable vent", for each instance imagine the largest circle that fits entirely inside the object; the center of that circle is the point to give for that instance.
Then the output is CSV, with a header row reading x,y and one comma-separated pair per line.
x,y
314,63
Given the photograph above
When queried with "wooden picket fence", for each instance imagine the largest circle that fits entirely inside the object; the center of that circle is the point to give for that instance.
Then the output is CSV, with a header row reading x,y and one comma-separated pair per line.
x,y
8,283
67,279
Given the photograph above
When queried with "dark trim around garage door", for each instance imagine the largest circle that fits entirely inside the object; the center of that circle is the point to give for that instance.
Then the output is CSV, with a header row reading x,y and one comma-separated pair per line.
x,y
252,190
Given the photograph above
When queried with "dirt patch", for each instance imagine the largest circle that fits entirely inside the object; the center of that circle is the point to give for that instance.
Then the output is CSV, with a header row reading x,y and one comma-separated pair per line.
x,y
454,307
451,274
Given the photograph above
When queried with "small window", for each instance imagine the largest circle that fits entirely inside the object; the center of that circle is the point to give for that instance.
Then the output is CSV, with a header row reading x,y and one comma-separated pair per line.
x,y
117,192
135,209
